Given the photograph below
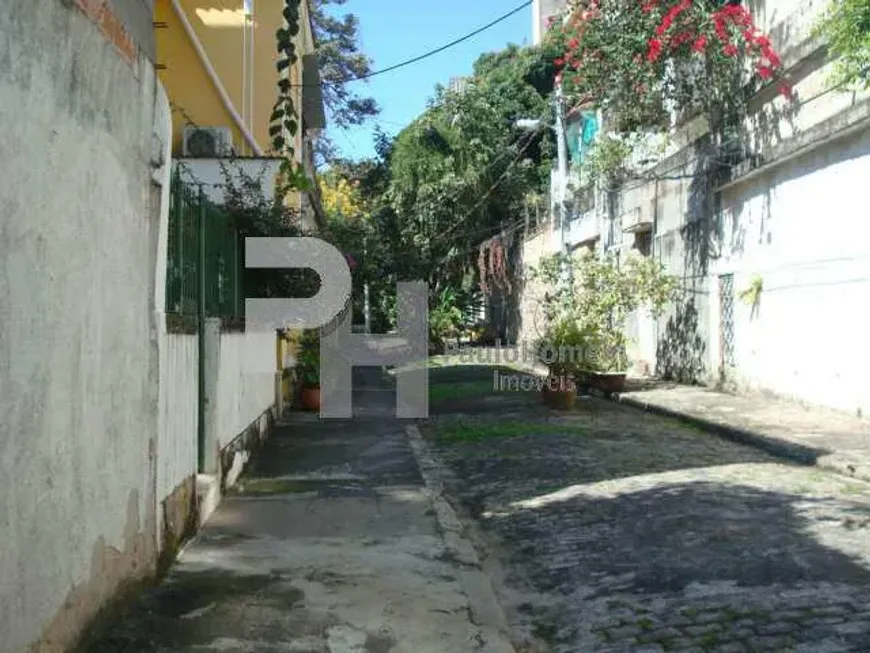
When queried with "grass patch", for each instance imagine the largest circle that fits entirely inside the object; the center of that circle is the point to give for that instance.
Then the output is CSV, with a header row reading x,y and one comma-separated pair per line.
x,y
441,392
478,432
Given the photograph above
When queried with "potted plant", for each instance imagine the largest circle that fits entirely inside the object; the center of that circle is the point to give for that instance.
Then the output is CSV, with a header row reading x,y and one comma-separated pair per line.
x,y
606,364
308,369
561,350
593,297
607,292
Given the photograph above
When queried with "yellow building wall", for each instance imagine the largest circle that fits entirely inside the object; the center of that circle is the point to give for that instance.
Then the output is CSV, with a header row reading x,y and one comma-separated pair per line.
x,y
219,27
193,96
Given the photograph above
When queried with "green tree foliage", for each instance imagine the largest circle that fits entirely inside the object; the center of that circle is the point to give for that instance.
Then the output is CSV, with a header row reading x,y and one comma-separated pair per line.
x,y
340,60
367,234
846,25
448,181
256,215
461,170
591,297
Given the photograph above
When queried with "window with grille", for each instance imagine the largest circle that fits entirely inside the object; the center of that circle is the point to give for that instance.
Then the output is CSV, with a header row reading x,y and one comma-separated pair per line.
x,y
726,319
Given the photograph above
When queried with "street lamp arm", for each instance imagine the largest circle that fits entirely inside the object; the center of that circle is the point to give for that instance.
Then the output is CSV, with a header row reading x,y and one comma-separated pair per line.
x,y
532,124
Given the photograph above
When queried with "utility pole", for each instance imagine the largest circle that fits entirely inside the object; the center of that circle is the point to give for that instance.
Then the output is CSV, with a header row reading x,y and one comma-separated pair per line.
x,y
562,176
366,305
560,242
561,169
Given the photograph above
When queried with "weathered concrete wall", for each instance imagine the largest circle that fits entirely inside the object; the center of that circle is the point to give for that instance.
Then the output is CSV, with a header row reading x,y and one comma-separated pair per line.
x,y
792,222
800,229
246,381
240,395
179,403
79,214
136,16
789,217
532,318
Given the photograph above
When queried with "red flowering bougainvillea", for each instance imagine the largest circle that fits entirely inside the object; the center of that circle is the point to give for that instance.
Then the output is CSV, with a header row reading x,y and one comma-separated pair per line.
x,y
631,56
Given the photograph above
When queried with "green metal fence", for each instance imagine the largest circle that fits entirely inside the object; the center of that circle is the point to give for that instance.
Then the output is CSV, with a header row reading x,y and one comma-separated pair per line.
x,y
203,258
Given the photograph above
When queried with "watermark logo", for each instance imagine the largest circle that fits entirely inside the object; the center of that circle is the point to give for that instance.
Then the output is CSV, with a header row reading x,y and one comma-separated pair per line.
x,y
528,355
512,382
340,349
524,353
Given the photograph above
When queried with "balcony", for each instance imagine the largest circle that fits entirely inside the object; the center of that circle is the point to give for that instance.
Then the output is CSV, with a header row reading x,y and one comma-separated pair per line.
x,y
637,221
584,228
648,150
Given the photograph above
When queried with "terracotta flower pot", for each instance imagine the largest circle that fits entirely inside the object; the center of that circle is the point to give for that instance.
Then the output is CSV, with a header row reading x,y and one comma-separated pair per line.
x,y
559,395
310,398
606,382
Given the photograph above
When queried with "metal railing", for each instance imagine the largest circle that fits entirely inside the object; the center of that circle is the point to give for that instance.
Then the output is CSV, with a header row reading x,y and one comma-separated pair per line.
x,y
203,275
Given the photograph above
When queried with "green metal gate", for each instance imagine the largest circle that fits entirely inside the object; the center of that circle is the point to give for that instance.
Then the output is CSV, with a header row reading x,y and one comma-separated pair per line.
x,y
203,258
203,275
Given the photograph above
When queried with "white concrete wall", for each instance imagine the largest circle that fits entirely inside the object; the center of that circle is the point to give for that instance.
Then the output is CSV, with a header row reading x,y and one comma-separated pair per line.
x,y
79,219
179,403
240,369
212,174
801,229
789,20
796,224
583,228
246,381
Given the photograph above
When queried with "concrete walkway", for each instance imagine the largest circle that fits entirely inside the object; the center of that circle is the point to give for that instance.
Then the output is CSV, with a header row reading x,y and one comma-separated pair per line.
x,y
827,439
332,543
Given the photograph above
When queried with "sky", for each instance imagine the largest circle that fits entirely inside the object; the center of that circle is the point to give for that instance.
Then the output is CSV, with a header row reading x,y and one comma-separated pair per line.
x,y
392,31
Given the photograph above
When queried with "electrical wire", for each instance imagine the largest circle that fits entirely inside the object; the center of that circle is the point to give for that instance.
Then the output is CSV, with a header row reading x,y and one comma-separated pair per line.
x,y
425,55
530,137
489,191
640,181
497,159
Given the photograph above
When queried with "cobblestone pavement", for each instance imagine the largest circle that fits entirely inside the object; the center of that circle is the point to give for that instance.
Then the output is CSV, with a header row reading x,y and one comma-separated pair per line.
x,y
617,530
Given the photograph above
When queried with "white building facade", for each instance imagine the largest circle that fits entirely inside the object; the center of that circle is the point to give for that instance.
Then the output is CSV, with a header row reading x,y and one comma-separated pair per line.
x,y
774,257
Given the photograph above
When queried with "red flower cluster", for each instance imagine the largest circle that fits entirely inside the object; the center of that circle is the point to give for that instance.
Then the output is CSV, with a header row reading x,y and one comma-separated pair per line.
x,y
655,50
722,19
683,22
755,42
673,13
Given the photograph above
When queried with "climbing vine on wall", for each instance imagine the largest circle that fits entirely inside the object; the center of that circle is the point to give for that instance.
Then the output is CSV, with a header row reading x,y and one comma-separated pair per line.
x,y
284,122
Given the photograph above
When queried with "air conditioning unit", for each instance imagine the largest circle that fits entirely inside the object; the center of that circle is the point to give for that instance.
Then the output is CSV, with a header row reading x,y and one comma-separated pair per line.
x,y
207,142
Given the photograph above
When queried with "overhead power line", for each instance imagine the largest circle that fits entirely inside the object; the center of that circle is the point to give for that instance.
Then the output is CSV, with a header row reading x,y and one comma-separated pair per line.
x,y
490,190
428,54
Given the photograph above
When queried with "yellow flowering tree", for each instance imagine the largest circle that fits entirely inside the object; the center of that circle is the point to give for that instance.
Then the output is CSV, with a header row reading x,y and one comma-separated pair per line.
x,y
341,197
